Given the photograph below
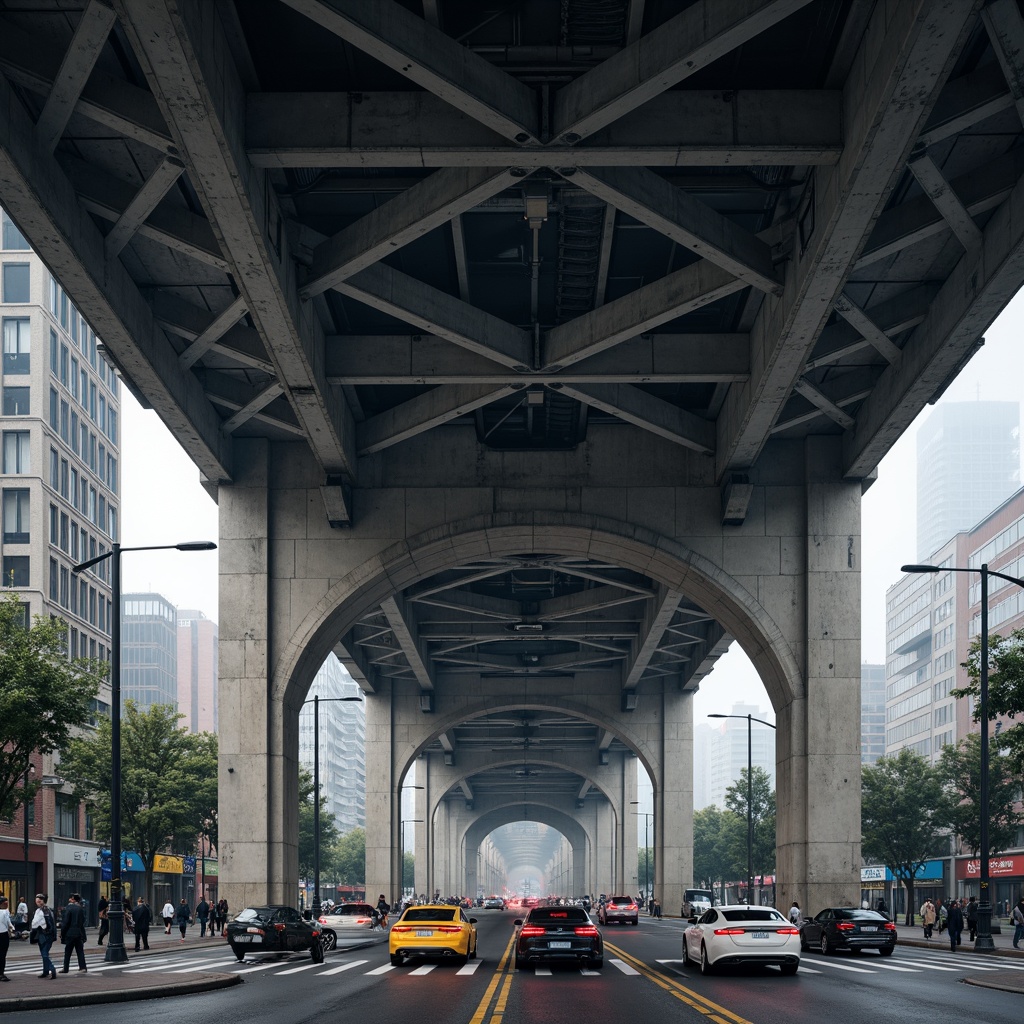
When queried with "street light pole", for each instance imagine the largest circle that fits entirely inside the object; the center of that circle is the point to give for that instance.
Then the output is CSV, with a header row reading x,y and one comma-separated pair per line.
x,y
983,943
409,821
116,952
649,884
750,794
29,770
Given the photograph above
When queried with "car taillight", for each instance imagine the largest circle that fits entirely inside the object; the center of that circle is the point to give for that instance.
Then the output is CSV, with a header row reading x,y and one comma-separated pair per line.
x,y
280,927
449,929
255,931
363,920
316,934
401,928
728,931
586,929
632,906
844,926
889,926
531,929
787,931
322,920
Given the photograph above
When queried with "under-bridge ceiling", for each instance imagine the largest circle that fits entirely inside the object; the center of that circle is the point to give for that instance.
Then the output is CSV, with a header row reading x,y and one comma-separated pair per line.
x,y
350,224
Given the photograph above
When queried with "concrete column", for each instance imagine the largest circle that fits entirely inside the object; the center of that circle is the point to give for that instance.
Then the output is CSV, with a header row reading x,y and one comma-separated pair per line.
x,y
258,740
818,738
630,854
383,872
673,803
421,846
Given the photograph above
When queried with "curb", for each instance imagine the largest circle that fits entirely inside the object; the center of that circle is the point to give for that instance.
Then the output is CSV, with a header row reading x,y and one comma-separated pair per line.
x,y
203,983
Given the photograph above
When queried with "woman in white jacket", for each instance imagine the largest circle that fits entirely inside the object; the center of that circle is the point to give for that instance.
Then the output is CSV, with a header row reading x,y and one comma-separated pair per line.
x,y
168,915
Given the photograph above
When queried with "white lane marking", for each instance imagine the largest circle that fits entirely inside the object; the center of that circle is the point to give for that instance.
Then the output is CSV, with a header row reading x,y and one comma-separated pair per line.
x,y
624,967
261,967
972,963
807,970
587,973
469,968
841,967
929,966
425,969
545,971
297,970
382,970
343,967
206,965
896,967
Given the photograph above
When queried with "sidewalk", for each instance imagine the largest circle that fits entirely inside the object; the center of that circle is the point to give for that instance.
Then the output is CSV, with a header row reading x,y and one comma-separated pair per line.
x,y
1005,981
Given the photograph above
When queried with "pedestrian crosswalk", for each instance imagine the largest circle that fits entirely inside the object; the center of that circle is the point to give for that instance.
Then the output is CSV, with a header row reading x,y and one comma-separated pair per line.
x,y
909,963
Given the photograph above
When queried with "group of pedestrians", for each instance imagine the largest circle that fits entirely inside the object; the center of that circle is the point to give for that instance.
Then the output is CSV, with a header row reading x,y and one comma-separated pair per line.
x,y
951,917
209,915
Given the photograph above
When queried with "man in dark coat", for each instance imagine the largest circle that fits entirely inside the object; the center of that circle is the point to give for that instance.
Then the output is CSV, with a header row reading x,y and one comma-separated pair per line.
x,y
142,916
972,918
72,932
101,909
203,913
954,924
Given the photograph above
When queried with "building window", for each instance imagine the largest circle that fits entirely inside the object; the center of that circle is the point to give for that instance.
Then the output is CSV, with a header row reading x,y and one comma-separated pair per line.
x,y
16,516
10,237
16,283
67,816
16,570
74,378
17,345
54,411
16,401
53,579
17,452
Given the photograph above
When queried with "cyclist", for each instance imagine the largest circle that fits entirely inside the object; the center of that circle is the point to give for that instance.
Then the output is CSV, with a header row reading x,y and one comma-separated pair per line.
x,y
383,909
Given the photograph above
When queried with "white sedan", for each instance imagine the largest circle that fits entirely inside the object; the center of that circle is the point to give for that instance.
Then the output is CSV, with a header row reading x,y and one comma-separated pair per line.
x,y
742,935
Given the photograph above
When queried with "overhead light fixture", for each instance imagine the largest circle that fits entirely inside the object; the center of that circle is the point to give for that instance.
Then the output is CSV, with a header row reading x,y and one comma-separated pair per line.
x,y
528,627
536,196
426,703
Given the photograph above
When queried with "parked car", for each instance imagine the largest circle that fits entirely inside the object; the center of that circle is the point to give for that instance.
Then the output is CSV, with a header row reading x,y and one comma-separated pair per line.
x,y
494,903
346,919
848,928
274,929
433,930
619,910
734,935
559,935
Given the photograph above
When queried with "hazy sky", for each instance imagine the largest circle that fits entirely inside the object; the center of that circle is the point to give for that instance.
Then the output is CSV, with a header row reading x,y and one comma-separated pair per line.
x,y
163,503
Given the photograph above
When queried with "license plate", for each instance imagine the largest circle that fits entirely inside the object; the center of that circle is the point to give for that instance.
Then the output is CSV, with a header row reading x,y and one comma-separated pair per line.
x,y
868,928
759,935
247,938
424,933
559,945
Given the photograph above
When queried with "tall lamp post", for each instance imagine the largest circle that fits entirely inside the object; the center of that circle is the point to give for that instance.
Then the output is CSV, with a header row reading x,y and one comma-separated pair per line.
x,y
750,794
407,821
646,815
316,702
983,943
116,953
30,769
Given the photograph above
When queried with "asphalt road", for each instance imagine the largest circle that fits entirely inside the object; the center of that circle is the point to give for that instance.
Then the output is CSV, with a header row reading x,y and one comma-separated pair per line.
x,y
643,980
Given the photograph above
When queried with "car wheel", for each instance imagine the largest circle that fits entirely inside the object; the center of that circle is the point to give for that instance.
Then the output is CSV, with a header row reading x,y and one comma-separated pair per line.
x,y
886,951
472,956
635,921
239,953
316,952
706,966
789,968
520,964
329,940
804,948
597,965
825,947
396,961
686,955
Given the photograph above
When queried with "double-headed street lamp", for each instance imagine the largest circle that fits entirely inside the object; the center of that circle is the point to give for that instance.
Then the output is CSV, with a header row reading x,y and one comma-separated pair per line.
x,y
983,943
116,953
750,795
646,815
30,769
316,702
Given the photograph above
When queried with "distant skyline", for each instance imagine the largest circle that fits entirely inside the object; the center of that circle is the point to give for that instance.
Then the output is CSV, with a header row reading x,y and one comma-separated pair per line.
x,y
163,503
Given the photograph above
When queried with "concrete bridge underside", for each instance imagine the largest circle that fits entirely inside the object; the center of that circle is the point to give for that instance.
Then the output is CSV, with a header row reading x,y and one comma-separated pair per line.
x,y
532,361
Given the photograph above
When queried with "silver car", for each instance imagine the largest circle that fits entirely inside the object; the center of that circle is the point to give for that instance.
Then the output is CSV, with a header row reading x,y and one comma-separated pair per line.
x,y
346,920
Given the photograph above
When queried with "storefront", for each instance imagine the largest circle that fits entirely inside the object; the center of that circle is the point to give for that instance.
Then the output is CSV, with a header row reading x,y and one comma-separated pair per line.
x,y
133,876
206,875
174,879
878,882
12,871
76,868
1006,880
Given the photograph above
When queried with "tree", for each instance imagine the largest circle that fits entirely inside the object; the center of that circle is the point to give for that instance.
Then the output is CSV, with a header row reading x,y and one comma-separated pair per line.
x,y
44,696
901,816
168,781
645,869
350,857
960,771
717,834
1005,689
408,871
328,828
764,819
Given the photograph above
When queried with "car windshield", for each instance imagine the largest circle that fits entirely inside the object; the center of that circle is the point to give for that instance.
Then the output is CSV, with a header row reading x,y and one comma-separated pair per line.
x,y
621,899
542,915
752,914
697,895
845,914
352,910
429,914
255,913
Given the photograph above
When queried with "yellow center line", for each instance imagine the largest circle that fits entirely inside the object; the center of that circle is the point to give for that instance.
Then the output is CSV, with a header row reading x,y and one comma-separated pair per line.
x,y
502,970
702,1004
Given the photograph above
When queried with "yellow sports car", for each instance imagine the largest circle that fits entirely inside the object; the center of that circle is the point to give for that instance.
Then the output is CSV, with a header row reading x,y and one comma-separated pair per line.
x,y
433,930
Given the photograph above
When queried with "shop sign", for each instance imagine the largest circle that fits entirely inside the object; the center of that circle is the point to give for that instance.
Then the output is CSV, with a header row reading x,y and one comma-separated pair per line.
x,y
65,873
875,873
168,865
998,867
67,853
188,865
211,868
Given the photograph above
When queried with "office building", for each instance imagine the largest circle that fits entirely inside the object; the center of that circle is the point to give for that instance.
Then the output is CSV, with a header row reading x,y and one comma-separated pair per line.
x,y
149,651
197,671
727,752
968,463
872,713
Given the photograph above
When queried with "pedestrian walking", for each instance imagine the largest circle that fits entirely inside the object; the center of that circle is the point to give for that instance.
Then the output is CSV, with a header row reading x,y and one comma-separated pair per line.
x,y
44,933
142,917
657,908
222,917
6,934
928,917
168,915
182,917
101,909
203,914
72,933
21,919
794,914
941,913
954,924
383,908
971,914
1017,919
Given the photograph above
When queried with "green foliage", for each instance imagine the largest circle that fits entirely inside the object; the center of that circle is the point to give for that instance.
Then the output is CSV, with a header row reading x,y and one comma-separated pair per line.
x,y
1005,689
168,781
764,819
960,771
348,858
717,835
328,828
408,870
44,697
645,869
902,812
